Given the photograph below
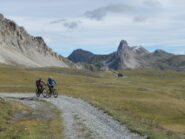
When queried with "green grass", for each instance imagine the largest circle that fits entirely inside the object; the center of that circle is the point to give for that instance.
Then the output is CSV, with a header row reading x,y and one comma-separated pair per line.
x,y
28,126
149,102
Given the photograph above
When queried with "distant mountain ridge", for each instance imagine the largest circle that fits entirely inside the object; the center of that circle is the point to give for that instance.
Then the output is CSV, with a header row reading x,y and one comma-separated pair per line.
x,y
127,57
17,47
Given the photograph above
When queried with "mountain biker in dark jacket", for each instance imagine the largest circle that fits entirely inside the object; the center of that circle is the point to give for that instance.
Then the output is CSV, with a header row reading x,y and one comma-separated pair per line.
x,y
51,82
39,84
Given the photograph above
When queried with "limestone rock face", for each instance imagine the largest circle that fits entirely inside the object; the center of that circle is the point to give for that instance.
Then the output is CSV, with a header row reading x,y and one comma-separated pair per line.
x,y
17,47
127,57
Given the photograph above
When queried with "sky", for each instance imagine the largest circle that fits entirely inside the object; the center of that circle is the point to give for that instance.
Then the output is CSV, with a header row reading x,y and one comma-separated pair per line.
x,y
99,25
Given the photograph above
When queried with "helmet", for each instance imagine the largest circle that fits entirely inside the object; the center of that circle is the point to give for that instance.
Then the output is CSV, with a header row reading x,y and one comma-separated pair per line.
x,y
50,77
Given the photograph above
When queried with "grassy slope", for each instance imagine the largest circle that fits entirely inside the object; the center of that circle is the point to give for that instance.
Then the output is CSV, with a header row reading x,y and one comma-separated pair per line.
x,y
149,102
27,126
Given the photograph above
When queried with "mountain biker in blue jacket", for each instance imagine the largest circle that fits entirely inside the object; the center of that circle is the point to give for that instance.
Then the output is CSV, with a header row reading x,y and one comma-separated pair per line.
x,y
51,82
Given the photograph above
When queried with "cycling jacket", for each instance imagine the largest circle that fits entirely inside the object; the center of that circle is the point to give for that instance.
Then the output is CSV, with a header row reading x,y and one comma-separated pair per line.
x,y
51,82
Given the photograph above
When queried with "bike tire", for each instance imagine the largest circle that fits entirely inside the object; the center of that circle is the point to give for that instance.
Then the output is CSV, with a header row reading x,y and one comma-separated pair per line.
x,y
44,93
55,93
49,94
37,93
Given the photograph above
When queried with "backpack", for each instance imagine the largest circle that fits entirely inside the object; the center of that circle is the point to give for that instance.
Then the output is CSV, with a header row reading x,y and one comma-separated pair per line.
x,y
38,82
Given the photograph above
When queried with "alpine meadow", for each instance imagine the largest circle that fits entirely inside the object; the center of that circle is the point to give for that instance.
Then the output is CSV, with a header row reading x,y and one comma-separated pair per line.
x,y
100,69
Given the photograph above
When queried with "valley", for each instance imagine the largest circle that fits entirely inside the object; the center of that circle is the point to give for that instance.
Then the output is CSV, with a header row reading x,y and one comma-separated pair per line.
x,y
147,100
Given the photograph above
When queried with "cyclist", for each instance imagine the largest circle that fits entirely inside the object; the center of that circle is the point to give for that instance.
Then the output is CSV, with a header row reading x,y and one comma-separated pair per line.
x,y
51,82
39,84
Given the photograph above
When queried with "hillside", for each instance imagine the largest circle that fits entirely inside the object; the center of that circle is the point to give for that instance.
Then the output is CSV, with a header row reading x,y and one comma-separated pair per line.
x,y
17,47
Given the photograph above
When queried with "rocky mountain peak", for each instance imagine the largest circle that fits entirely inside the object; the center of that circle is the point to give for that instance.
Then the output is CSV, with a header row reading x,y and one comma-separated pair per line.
x,y
159,51
82,52
139,49
17,47
80,55
126,57
124,49
123,45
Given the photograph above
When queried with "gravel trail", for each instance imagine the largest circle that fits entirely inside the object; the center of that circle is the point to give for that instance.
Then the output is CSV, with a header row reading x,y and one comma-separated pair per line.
x,y
83,121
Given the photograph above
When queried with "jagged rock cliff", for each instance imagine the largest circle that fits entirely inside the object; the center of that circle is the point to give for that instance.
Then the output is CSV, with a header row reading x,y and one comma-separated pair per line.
x,y
17,47
127,57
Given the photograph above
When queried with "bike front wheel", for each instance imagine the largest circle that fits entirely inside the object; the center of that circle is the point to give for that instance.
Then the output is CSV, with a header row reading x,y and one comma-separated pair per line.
x,y
44,93
55,93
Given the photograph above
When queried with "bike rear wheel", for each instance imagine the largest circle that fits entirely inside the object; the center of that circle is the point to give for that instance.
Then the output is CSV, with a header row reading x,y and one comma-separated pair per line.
x,y
49,94
37,93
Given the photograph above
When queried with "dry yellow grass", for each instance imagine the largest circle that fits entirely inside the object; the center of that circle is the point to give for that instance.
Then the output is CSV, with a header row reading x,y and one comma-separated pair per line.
x,y
147,101
26,126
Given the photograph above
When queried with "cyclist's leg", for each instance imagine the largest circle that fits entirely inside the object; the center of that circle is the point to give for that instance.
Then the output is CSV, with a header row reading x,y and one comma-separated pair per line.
x,y
49,88
41,87
37,87
52,87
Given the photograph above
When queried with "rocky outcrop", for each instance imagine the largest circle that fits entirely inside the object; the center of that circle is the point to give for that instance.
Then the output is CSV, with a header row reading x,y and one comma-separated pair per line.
x,y
17,47
81,56
136,57
127,57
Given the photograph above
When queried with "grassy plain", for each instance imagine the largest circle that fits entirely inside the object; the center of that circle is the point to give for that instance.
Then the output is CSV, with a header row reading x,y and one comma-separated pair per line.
x,y
149,102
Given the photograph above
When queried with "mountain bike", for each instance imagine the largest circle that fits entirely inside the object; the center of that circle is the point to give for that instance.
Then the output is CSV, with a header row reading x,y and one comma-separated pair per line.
x,y
53,92
41,90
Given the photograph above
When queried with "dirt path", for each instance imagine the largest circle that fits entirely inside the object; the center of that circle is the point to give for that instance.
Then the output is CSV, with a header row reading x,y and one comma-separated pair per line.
x,y
83,121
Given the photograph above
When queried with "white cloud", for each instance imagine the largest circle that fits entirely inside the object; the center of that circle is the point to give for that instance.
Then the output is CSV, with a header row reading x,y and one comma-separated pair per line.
x,y
103,23
100,13
153,3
